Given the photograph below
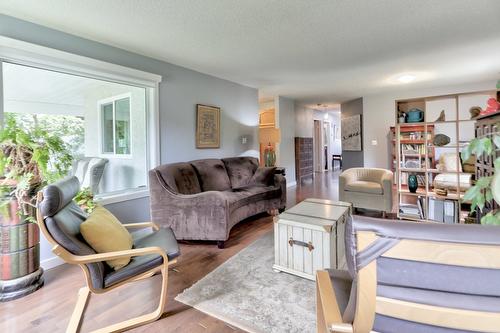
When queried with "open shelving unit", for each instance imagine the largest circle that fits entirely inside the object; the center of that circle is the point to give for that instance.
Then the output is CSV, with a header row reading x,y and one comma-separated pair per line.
x,y
436,167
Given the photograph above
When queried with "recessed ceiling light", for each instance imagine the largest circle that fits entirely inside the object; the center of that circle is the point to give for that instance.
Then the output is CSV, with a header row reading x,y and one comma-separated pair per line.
x,y
406,78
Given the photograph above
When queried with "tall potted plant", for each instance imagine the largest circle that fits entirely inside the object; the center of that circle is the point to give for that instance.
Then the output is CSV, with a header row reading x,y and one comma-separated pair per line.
x,y
486,190
30,158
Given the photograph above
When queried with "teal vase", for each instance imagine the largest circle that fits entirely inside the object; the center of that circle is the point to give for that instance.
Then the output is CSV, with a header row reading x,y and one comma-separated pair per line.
x,y
269,157
412,183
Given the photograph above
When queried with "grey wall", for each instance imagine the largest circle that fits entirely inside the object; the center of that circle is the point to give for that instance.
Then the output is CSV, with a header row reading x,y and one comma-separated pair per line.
x,y
352,159
127,212
304,121
285,111
180,91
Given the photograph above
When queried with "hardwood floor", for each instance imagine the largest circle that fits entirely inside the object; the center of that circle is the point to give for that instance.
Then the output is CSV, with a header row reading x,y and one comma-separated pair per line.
x,y
49,309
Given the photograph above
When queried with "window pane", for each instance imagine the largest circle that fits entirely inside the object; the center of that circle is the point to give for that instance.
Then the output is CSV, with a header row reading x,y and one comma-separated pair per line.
x,y
122,126
107,128
81,111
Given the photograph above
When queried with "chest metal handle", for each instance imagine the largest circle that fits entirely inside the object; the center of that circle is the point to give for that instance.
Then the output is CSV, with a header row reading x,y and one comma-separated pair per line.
x,y
293,242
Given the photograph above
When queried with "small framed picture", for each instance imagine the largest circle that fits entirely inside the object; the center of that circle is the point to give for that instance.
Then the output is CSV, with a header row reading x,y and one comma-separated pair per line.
x,y
207,126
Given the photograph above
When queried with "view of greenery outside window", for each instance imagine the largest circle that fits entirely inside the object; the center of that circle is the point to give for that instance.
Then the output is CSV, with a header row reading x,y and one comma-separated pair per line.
x,y
115,126
70,129
30,158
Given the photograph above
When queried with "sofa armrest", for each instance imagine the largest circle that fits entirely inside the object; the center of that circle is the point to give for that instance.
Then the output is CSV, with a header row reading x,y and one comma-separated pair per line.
x,y
346,177
387,181
280,181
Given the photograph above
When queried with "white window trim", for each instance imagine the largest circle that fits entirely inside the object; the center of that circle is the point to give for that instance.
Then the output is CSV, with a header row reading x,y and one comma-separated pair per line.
x,y
125,195
112,100
29,54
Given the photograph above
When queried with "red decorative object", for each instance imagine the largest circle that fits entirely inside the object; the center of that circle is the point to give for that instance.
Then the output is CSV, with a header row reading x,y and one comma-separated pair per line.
x,y
492,106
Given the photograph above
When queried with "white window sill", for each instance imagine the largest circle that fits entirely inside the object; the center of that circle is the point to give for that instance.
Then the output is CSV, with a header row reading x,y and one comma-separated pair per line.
x,y
111,198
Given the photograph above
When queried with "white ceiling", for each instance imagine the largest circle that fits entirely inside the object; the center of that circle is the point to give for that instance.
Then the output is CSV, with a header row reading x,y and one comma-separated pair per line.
x,y
320,51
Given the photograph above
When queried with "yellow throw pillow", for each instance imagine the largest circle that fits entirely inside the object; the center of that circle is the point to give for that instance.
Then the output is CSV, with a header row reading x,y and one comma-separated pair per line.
x,y
104,233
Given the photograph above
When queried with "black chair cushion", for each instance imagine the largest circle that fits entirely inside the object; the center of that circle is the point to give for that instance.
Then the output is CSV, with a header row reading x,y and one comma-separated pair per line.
x,y
163,238
56,196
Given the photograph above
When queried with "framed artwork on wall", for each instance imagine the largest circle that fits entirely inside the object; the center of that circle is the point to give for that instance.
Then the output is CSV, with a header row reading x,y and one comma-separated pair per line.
x,y
351,133
207,126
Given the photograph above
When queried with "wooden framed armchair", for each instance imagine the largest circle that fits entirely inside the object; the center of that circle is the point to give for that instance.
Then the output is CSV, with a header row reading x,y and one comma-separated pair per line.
x,y
413,278
59,219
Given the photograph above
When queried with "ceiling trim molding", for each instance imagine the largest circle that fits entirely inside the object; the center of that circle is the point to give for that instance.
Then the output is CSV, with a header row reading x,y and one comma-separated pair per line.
x,y
60,61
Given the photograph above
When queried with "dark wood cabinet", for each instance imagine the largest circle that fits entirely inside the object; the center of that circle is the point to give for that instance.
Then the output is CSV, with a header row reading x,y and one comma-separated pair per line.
x,y
303,158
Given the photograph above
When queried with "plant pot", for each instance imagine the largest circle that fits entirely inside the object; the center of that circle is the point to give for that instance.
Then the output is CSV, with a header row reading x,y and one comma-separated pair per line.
x,y
20,272
412,183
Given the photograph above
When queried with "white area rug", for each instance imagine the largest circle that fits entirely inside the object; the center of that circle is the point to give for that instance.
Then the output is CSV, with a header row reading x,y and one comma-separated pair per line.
x,y
245,292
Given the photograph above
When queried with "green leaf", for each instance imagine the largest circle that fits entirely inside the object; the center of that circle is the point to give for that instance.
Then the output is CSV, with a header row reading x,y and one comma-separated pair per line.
x,y
488,195
466,153
496,140
483,182
480,202
487,145
473,204
472,193
495,188
475,146
497,165
491,219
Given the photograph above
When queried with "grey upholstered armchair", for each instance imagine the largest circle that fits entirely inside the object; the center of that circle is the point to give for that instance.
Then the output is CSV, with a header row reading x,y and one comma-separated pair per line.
x,y
59,218
413,278
369,188
89,171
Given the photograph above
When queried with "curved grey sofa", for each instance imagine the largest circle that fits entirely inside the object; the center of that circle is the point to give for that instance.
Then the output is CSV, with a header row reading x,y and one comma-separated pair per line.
x,y
204,199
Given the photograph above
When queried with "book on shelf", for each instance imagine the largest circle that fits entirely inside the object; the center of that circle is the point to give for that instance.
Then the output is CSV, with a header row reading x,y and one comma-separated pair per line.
x,y
445,211
420,205
451,211
414,136
409,209
413,148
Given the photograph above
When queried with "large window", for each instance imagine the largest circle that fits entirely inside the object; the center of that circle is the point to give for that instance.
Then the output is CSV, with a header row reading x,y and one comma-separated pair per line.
x,y
115,125
101,122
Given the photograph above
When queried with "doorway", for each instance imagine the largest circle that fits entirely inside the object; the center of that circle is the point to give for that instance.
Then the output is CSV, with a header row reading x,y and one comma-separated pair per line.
x,y
327,149
318,147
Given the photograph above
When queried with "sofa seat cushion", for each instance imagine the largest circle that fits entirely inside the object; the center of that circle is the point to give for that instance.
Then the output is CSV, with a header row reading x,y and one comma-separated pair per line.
x,y
246,195
364,187
163,238
240,170
179,177
212,174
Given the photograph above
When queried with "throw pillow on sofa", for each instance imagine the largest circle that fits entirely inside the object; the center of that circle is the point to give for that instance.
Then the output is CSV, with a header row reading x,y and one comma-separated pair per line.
x,y
263,176
212,175
240,170
104,233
